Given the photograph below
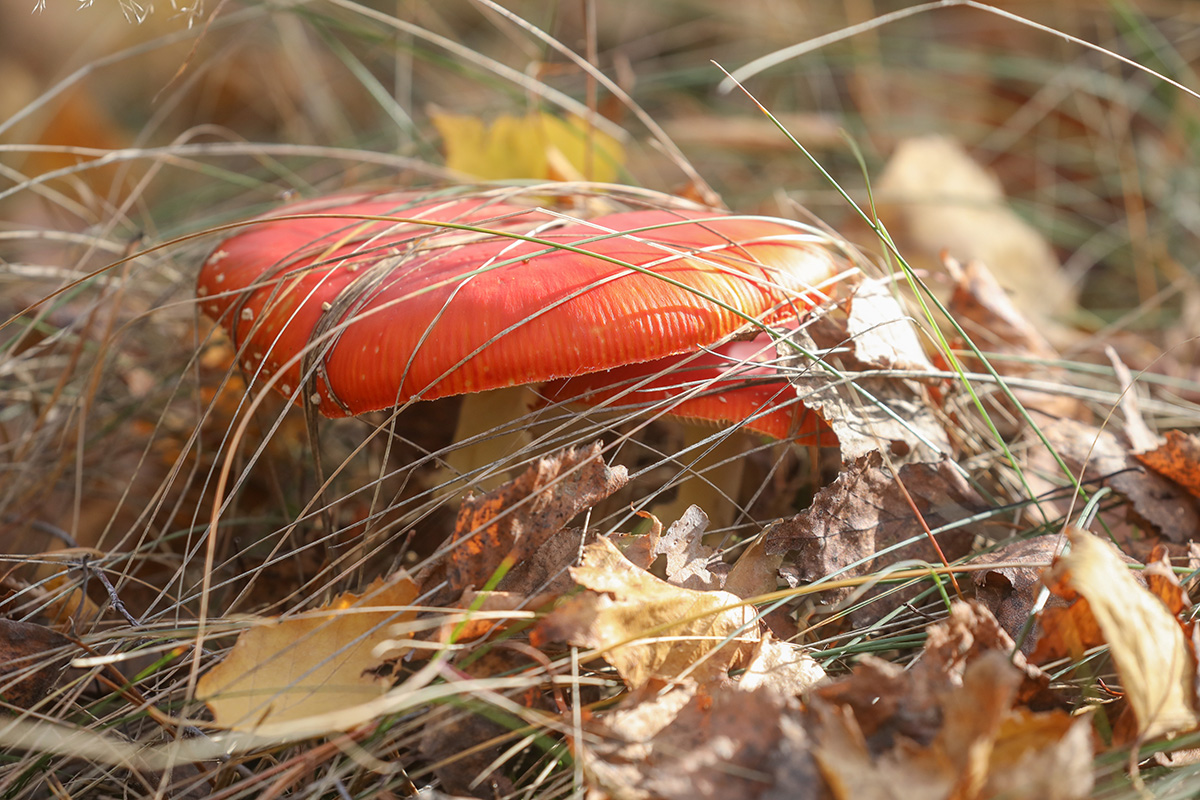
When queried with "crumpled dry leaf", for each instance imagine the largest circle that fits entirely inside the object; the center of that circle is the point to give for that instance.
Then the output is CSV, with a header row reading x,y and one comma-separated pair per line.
x,y
786,668
755,572
287,670
996,325
991,318
1178,459
647,628
881,330
687,555
28,668
1158,501
897,414
1137,432
967,634
62,578
491,528
864,511
1149,649
947,727
538,146
1010,592
686,745
544,571
1164,584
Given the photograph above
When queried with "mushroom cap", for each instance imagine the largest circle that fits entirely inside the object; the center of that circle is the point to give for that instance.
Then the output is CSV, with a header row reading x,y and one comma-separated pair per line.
x,y
732,383
384,312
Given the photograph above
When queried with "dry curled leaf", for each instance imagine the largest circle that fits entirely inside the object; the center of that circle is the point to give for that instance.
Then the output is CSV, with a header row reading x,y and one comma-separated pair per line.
x,y
865,511
1099,456
687,556
1149,649
686,745
786,668
1178,459
515,521
29,663
884,733
311,666
647,628
866,412
1011,591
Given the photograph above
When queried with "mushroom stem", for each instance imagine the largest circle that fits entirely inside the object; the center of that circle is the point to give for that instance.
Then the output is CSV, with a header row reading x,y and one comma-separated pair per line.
x,y
711,477
485,452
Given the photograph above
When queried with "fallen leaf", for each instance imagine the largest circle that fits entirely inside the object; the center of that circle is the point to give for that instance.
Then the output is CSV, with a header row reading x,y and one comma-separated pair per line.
x,y
1047,756
881,330
537,146
1010,592
852,772
1164,584
995,324
1140,437
318,663
544,571
1099,456
909,737
866,412
63,576
966,635
864,511
1177,459
936,199
647,628
31,662
991,318
516,520
1147,643
687,556
755,572
687,745
785,668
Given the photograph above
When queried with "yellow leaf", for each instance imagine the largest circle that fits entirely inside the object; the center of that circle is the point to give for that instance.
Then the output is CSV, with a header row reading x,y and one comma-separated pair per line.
x,y
648,628
1147,643
289,669
536,146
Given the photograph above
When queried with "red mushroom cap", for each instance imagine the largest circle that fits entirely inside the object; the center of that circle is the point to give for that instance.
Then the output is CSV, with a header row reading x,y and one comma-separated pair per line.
x,y
388,312
732,383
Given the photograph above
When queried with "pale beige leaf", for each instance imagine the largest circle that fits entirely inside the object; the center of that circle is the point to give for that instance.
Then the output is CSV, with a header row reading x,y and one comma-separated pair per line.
x,y
1147,643
785,668
883,332
647,628
294,668
936,199
687,555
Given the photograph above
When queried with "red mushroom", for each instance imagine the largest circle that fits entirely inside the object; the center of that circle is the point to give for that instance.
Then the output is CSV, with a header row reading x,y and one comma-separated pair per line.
x,y
732,383
467,292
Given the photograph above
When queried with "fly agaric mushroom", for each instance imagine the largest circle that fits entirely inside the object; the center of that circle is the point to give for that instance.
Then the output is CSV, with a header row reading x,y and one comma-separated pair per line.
x,y
732,383
384,299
